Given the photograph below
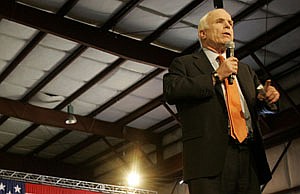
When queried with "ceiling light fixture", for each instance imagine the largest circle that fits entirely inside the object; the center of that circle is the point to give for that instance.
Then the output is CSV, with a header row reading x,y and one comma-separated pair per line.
x,y
71,118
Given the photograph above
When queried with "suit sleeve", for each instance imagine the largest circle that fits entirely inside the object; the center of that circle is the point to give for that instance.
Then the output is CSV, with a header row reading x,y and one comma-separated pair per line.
x,y
184,83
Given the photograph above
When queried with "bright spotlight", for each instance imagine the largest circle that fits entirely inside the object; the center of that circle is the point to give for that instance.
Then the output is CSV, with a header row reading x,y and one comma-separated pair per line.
x,y
133,179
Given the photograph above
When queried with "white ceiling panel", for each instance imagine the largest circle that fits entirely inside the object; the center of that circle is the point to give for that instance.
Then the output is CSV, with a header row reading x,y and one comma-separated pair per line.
x,y
3,65
286,44
255,24
58,43
83,69
278,181
151,89
94,12
250,61
158,113
66,142
171,137
111,115
165,127
137,67
98,55
26,145
173,36
121,79
43,58
290,80
87,152
10,47
140,23
82,108
143,122
14,126
51,5
11,91
44,132
293,163
195,15
130,103
172,150
284,9
164,6
6,137
234,7
16,30
63,86
25,76
98,95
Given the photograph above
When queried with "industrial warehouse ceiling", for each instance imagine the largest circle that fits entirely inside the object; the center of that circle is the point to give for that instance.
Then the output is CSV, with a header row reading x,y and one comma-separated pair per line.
x,y
107,58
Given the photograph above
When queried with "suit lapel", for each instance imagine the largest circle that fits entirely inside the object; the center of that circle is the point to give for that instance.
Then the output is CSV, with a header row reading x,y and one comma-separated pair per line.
x,y
203,65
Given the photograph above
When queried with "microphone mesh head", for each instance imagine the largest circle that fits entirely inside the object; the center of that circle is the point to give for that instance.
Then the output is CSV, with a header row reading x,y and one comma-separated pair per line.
x,y
230,44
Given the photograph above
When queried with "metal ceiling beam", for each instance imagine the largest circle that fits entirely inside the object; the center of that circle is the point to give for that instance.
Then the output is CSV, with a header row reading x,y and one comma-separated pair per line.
x,y
74,149
90,161
125,92
120,14
29,47
187,9
140,111
279,62
56,118
49,142
271,35
87,35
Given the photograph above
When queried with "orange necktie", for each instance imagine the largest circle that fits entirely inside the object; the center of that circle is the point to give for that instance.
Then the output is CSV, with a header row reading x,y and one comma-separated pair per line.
x,y
238,128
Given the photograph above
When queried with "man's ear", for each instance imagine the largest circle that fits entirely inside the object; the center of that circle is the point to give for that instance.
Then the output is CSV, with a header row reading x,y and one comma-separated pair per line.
x,y
202,34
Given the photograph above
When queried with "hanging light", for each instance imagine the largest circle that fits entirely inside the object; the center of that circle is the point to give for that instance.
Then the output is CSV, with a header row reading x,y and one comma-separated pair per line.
x,y
71,118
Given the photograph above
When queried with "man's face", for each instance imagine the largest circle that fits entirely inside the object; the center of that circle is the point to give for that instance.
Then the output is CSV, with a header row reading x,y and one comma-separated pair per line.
x,y
219,31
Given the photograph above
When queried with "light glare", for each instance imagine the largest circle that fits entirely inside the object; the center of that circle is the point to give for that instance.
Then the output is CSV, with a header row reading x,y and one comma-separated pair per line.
x,y
133,179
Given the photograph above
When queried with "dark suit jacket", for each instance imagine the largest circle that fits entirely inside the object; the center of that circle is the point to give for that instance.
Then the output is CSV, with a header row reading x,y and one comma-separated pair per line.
x,y
202,110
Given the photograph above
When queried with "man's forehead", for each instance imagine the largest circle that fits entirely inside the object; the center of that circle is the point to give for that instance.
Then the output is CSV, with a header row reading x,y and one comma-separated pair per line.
x,y
219,14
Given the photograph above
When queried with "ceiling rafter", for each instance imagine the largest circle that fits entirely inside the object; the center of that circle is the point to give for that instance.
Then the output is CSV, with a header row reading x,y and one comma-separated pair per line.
x,y
271,35
49,142
287,72
74,149
172,21
125,92
29,47
56,118
67,6
152,36
91,161
120,14
87,35
281,61
140,111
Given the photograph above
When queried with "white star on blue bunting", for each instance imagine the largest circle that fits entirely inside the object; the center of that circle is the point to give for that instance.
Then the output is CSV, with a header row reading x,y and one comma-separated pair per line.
x,y
11,187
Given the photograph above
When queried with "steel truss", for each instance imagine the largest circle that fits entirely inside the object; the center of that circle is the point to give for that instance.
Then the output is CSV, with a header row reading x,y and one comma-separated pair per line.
x,y
70,183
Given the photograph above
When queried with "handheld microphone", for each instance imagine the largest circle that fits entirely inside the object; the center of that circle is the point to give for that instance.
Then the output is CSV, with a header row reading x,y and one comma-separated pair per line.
x,y
230,53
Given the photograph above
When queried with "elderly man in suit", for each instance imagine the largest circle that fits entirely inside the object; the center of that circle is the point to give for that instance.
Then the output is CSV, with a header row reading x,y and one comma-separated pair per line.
x,y
223,151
